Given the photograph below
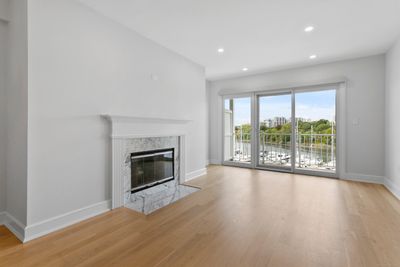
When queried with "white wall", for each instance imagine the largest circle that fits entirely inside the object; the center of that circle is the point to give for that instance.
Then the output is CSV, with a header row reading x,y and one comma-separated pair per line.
x,y
3,118
365,102
392,118
4,10
17,111
82,65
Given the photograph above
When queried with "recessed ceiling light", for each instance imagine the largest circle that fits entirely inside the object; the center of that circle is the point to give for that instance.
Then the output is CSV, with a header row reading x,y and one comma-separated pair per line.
x,y
309,29
221,50
245,69
313,56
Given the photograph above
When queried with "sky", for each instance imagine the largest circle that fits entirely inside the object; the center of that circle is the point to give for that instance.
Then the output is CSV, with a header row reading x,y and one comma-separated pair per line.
x,y
309,105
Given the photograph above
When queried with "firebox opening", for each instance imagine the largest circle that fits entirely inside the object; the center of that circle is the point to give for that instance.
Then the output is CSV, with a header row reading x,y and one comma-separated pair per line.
x,y
150,168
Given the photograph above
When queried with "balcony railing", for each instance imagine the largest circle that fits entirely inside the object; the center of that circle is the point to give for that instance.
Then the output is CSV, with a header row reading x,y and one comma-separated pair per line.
x,y
313,151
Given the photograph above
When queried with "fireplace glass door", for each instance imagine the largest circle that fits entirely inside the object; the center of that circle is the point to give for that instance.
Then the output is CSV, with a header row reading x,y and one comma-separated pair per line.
x,y
151,168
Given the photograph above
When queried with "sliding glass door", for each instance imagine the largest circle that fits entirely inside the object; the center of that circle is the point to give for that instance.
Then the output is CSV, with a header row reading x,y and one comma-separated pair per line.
x,y
237,143
316,131
275,131
291,130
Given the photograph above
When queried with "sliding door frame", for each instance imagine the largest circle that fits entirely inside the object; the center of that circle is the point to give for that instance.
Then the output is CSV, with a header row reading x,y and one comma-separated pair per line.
x,y
336,88
257,130
340,107
252,144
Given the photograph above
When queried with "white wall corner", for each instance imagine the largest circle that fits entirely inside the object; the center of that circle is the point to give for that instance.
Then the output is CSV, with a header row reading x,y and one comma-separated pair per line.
x,y
363,178
195,174
33,231
56,223
392,187
15,226
2,218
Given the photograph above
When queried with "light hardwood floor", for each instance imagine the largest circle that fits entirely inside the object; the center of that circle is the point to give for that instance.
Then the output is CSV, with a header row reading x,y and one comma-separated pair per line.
x,y
241,217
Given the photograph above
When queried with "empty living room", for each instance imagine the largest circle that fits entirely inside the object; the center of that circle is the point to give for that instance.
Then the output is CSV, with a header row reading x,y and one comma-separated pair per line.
x,y
200,133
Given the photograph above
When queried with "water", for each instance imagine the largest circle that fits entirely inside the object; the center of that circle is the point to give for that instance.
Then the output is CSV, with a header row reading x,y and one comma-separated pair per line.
x,y
273,153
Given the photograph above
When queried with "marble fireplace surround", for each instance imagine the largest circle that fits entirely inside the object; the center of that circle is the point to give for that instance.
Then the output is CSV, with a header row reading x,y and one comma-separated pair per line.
x,y
127,132
134,145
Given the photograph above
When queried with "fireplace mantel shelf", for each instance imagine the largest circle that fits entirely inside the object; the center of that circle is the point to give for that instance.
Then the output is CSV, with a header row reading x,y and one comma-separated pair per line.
x,y
135,119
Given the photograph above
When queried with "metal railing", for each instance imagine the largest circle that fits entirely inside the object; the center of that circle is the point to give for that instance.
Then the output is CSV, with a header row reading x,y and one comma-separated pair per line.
x,y
242,147
275,149
313,151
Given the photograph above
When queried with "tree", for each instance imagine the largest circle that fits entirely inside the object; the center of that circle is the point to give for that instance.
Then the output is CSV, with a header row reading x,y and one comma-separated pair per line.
x,y
281,133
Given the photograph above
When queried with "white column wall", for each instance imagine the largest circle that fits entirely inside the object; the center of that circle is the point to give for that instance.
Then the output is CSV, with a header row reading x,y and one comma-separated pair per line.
x,y
392,118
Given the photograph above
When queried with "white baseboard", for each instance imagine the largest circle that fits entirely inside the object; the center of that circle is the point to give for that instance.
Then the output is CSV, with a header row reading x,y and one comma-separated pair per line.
x,y
363,178
389,184
15,226
392,187
56,223
195,174
2,218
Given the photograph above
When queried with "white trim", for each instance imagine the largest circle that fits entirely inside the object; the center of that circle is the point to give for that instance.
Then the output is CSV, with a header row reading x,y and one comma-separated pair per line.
x,y
56,223
28,233
15,226
135,119
195,174
392,187
363,178
2,218
132,136
117,186
281,87
341,129
251,96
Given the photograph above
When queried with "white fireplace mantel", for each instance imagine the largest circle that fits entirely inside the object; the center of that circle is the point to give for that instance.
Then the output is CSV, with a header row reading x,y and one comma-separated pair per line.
x,y
124,128
135,119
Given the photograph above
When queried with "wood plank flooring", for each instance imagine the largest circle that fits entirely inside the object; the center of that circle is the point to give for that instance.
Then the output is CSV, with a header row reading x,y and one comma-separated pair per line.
x,y
241,217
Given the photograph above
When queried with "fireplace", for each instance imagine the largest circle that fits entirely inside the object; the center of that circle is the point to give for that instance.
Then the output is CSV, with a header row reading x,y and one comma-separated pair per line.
x,y
150,168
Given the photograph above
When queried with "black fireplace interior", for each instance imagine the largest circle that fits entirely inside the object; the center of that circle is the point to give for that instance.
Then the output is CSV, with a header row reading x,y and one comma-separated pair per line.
x,y
150,168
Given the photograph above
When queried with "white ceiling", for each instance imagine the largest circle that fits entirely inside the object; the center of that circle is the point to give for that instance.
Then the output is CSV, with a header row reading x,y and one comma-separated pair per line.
x,y
262,35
